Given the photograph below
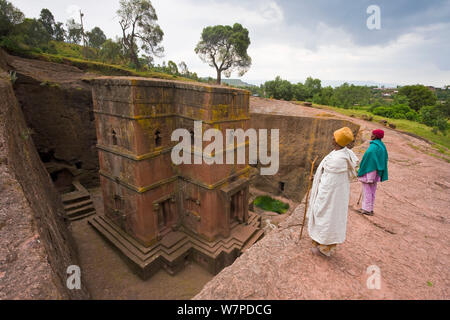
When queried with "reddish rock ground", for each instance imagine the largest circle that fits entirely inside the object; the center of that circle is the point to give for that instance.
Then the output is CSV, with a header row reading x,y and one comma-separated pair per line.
x,y
407,238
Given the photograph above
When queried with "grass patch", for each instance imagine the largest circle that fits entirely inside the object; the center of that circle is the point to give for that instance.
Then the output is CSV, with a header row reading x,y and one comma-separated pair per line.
x,y
72,55
268,204
102,68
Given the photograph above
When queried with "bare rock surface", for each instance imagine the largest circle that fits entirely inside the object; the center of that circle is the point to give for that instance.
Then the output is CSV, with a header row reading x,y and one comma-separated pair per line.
x,y
35,244
407,238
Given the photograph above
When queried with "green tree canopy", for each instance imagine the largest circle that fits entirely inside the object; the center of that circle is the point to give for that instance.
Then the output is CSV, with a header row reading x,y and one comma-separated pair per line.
x,y
279,89
347,96
172,67
48,21
182,66
112,52
74,31
324,96
225,49
59,32
96,37
418,96
137,18
9,16
299,91
32,33
312,86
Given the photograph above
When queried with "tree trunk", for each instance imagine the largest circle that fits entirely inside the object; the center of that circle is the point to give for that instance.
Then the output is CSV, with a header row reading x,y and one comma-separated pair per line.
x,y
134,58
219,76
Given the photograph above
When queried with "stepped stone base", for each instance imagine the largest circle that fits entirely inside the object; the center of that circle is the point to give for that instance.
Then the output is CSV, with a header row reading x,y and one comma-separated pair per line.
x,y
178,247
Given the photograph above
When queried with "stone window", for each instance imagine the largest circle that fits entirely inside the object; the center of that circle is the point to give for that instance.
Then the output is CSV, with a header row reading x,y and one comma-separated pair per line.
x,y
192,137
158,139
281,186
163,214
237,206
114,138
118,202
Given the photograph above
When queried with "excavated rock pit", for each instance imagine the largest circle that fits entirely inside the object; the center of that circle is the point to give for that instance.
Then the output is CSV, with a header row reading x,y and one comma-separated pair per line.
x,y
407,238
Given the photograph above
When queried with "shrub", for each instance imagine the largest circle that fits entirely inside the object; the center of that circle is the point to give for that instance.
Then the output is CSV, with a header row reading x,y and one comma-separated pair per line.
x,y
433,116
398,111
269,204
412,116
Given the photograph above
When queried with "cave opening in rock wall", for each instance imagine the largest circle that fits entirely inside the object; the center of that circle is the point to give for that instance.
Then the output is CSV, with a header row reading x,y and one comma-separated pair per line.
x,y
63,180
48,156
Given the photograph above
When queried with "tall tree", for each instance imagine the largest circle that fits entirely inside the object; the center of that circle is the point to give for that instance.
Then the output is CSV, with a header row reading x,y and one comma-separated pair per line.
x,y
74,31
59,32
418,96
172,67
48,21
182,66
300,92
313,86
225,49
137,18
32,33
9,16
279,89
96,37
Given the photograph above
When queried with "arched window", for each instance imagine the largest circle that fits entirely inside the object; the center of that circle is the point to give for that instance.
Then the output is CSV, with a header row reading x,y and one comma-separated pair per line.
x,y
192,137
118,202
114,138
158,139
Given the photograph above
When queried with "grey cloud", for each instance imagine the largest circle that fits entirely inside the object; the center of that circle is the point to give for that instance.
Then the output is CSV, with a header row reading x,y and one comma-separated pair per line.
x,y
397,17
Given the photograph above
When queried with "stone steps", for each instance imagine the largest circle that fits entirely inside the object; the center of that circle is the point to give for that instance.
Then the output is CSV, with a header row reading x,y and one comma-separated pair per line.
x,y
80,213
78,204
131,252
75,196
176,245
134,247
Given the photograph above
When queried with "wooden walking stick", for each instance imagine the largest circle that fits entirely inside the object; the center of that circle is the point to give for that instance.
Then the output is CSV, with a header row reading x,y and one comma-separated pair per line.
x,y
307,196
360,196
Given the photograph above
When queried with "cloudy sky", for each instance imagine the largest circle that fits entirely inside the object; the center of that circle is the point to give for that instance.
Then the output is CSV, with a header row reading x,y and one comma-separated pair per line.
x,y
295,39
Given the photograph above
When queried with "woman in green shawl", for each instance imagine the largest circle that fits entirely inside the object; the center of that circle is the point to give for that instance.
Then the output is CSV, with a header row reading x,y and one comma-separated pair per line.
x,y
373,169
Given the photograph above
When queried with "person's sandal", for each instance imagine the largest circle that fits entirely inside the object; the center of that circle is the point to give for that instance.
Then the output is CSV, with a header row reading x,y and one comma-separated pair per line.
x,y
367,213
316,251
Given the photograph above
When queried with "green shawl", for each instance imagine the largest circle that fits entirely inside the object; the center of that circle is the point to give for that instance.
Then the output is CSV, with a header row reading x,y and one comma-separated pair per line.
x,y
375,158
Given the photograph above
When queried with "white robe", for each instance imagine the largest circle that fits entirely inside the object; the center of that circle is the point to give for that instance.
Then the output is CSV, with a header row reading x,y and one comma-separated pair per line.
x,y
329,197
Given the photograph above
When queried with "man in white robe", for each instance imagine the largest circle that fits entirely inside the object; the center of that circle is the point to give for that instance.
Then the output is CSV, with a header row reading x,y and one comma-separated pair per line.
x,y
330,194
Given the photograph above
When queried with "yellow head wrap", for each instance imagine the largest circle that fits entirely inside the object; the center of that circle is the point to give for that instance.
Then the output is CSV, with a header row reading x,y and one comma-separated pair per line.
x,y
343,136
